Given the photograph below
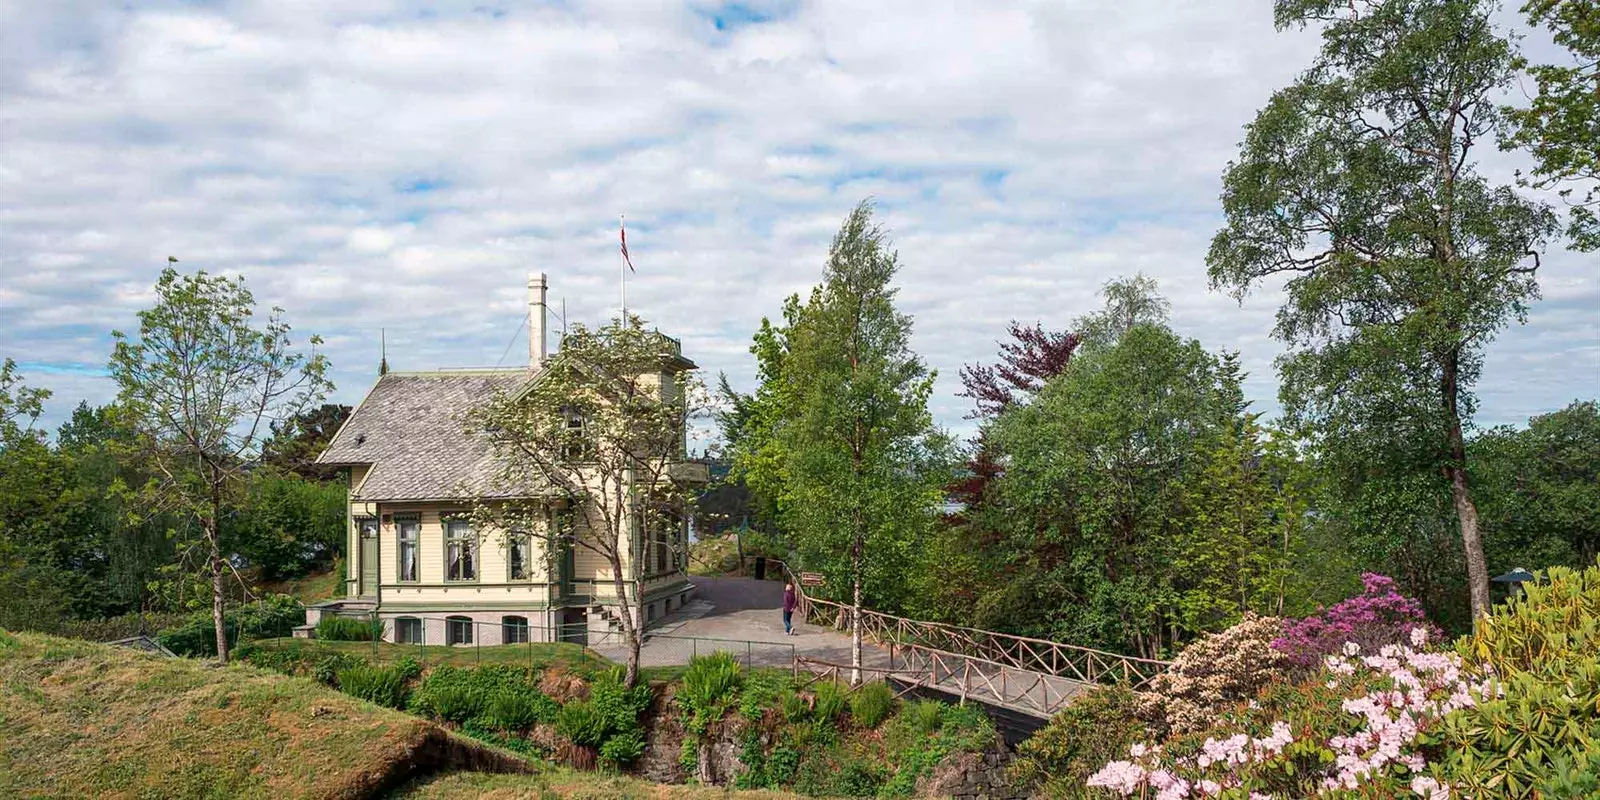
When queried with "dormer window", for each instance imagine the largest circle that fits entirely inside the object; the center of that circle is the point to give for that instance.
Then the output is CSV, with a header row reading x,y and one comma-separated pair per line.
x,y
575,444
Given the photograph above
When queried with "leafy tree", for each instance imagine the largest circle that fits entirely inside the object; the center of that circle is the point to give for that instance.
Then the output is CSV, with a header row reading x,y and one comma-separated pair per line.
x,y
842,437
18,403
1561,126
202,386
598,440
295,443
1032,357
1128,302
1356,183
1093,497
1541,488
283,524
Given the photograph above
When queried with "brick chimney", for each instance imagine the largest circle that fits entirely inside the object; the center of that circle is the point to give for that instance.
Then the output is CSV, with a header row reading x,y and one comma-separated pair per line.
x,y
538,350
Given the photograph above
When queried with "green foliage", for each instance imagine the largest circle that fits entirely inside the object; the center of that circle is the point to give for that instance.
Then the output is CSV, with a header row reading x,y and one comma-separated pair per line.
x,y
582,724
763,691
1357,188
838,436
274,616
923,716
1539,489
349,629
709,688
497,696
794,706
408,669
380,685
913,752
623,748
828,702
203,386
871,704
1561,126
1541,736
689,755
326,669
1098,727
517,710
283,524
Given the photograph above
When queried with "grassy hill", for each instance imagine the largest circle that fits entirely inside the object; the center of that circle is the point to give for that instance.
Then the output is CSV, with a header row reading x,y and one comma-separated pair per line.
x,y
79,719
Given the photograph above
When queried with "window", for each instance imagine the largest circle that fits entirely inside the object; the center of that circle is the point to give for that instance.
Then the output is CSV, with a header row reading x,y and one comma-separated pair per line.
x,y
409,529
661,551
517,553
458,630
408,630
514,630
460,551
576,445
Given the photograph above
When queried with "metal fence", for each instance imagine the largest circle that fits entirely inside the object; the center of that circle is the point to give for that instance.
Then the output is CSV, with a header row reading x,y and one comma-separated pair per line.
x,y
464,641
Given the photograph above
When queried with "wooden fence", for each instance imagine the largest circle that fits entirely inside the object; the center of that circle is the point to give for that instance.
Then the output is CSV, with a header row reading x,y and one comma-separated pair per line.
x,y
1082,664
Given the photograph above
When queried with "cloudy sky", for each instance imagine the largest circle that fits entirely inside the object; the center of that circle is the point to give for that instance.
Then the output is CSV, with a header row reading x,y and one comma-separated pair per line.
x,y
374,166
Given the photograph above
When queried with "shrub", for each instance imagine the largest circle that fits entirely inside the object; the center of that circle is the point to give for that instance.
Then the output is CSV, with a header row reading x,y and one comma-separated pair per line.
x,y
762,690
459,694
348,629
519,711
623,748
871,704
274,616
830,702
794,705
924,716
1541,736
377,685
618,707
1213,670
326,669
1378,616
581,724
408,669
710,687
1099,726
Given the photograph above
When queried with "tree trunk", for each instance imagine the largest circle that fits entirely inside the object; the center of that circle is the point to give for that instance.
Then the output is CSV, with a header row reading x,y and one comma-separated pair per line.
x,y
218,598
1466,512
625,611
855,605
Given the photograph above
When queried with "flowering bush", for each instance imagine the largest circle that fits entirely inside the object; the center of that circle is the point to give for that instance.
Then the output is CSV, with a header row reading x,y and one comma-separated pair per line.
x,y
1378,616
1364,730
1214,670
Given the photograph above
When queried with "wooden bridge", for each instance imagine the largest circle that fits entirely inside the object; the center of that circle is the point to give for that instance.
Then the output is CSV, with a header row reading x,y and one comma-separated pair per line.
x,y
1033,677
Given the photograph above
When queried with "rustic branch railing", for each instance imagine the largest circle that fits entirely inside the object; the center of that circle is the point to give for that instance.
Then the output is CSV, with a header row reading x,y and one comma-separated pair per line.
x,y
1083,664
818,670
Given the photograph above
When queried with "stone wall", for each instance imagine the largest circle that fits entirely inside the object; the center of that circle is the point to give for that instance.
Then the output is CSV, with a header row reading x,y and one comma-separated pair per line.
x,y
973,776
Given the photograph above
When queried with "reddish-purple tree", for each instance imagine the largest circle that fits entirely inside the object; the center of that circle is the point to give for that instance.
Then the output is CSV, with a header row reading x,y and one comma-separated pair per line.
x,y
1378,616
1032,357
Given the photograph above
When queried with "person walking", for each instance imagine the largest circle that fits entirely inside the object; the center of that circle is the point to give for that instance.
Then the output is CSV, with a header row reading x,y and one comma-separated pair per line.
x,y
789,603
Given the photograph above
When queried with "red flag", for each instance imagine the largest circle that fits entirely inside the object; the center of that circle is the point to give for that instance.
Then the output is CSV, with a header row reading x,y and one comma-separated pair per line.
x,y
625,257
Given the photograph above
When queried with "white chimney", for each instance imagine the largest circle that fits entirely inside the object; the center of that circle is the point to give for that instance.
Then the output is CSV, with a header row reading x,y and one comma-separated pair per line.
x,y
537,349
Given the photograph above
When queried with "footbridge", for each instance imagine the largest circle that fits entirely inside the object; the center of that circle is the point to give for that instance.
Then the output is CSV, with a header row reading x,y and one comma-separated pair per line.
x,y
1018,675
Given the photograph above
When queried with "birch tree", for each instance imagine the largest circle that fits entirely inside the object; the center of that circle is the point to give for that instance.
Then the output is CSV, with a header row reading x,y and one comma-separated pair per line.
x,y
846,424
593,453
204,386
1357,186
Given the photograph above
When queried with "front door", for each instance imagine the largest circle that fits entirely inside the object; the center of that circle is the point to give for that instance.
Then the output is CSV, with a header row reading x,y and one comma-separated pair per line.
x,y
369,558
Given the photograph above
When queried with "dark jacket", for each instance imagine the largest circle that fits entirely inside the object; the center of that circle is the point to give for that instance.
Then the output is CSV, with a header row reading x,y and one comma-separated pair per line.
x,y
788,598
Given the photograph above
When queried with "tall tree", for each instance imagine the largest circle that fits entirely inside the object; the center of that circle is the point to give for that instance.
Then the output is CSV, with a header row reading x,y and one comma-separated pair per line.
x,y
203,386
593,456
1357,184
845,434
1561,126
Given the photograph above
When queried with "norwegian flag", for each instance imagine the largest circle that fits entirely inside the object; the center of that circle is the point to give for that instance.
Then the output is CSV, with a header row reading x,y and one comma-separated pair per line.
x,y
625,257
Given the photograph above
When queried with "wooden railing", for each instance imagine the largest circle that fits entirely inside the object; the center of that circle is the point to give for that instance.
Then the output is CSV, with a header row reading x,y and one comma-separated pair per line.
x,y
813,670
987,681
1083,664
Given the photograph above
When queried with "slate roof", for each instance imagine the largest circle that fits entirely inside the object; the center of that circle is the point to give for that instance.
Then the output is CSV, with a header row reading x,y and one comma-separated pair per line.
x,y
409,428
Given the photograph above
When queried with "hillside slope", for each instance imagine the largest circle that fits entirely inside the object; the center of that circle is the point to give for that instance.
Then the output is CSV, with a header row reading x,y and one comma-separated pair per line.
x,y
80,719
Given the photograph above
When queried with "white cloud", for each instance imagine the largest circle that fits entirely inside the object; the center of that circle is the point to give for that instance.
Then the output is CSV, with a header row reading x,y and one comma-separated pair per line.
x,y
401,167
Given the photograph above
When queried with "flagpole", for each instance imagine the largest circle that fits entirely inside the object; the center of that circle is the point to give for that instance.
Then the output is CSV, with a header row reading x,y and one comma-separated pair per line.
x,y
622,274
